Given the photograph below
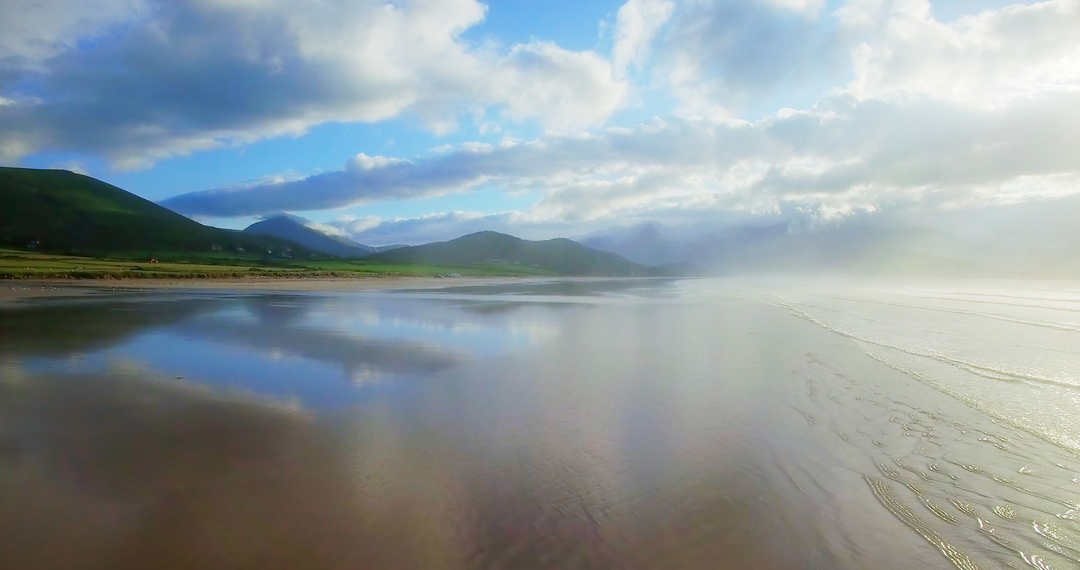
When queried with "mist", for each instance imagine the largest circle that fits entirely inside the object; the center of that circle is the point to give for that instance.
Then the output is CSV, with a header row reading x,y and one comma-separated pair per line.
x,y
1035,239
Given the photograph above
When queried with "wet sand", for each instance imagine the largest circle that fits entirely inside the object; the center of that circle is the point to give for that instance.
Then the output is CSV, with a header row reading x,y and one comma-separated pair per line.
x,y
717,433
14,290
29,288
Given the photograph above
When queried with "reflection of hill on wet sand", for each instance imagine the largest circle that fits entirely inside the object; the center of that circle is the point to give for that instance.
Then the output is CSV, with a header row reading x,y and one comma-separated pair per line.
x,y
60,330
83,326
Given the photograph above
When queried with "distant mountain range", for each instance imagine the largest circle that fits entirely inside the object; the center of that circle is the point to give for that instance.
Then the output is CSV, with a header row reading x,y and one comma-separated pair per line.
x,y
560,256
294,230
63,212
60,211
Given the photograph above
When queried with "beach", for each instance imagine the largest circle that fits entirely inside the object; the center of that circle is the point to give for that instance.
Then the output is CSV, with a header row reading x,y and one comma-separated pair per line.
x,y
674,424
33,288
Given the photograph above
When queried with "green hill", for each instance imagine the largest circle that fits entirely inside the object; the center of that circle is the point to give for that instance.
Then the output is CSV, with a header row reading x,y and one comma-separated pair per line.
x,y
60,211
493,249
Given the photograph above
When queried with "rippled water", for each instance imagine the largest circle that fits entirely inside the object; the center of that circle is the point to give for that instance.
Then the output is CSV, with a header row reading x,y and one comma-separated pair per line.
x,y
692,424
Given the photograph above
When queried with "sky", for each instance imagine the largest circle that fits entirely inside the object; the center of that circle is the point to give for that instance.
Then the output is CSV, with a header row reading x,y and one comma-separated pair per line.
x,y
409,121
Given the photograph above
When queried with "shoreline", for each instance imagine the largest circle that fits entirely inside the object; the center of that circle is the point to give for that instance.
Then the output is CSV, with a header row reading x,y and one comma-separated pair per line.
x,y
13,290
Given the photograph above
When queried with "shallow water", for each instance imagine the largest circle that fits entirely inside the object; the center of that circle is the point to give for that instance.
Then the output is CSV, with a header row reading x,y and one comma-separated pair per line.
x,y
692,424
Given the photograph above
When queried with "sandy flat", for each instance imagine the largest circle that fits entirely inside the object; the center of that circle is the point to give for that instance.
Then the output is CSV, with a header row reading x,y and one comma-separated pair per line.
x,y
20,289
757,441
13,290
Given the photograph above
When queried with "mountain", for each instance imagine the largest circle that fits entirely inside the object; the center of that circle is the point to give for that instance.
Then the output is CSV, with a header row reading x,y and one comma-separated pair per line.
x,y
60,211
557,255
292,229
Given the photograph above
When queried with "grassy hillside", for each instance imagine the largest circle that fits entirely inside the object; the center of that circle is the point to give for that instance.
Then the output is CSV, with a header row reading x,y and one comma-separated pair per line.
x,y
491,249
60,211
58,224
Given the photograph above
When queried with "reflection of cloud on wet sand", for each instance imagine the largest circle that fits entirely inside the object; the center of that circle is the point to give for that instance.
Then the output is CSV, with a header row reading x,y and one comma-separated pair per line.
x,y
121,472
359,357
116,472
63,329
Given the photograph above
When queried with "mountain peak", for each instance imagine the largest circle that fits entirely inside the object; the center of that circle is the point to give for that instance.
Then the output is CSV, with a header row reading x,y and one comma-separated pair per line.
x,y
296,229
289,227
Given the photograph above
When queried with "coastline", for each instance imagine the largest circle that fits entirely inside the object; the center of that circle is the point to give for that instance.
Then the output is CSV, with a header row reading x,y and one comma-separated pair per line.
x,y
13,290
786,430
795,423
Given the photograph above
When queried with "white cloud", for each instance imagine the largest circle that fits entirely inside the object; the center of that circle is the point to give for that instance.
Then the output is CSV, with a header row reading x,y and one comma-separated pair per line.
x,y
357,225
163,78
841,156
858,13
365,162
434,227
911,112
984,61
720,57
74,166
636,24
32,30
570,91
808,7
327,229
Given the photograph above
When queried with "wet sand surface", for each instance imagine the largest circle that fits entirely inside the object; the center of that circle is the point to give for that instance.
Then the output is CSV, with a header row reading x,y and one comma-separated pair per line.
x,y
31,288
19,290
544,425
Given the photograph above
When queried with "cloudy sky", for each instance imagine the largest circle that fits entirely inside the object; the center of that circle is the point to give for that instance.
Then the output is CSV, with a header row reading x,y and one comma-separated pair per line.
x,y
413,120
